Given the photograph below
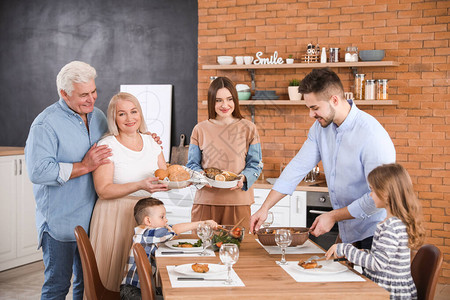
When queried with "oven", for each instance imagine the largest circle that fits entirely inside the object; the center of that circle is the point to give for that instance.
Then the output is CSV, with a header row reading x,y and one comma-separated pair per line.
x,y
318,203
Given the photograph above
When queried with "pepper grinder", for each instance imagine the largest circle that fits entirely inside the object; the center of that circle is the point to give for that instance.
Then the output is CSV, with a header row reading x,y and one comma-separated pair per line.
x,y
323,55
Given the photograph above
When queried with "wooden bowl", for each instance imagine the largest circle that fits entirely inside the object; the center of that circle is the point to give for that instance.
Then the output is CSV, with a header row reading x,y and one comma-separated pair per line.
x,y
267,235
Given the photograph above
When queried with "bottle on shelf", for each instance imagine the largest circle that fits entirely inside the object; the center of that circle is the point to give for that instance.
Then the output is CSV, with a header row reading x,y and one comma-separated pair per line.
x,y
359,86
382,89
323,55
370,90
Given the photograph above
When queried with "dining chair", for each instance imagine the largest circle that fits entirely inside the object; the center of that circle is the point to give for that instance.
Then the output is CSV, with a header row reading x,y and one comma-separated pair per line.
x,y
93,286
144,270
425,268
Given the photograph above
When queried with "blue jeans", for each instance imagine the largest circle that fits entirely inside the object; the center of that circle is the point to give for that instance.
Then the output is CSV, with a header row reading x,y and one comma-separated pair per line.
x,y
60,260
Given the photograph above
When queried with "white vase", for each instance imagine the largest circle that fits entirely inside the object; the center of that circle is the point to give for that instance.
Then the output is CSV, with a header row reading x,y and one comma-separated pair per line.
x,y
289,61
294,95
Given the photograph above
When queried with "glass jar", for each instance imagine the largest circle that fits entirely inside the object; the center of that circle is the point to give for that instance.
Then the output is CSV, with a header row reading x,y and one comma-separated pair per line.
x,y
334,54
359,86
370,90
382,89
351,54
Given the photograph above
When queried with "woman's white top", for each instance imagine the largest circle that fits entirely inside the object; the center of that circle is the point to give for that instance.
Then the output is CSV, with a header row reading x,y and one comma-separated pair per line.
x,y
132,166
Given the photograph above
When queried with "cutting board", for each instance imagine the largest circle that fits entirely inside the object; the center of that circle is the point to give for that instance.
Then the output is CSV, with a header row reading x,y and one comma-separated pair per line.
x,y
179,155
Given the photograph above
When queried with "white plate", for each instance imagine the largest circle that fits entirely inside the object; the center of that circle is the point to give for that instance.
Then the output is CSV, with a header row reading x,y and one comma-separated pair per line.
x,y
171,244
328,267
213,269
222,184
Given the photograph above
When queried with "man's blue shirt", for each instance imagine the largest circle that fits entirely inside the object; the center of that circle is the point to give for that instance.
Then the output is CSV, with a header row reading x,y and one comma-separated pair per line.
x,y
348,153
58,138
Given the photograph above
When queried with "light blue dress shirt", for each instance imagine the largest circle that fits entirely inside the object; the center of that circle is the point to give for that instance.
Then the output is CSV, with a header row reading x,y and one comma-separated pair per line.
x,y
58,137
348,153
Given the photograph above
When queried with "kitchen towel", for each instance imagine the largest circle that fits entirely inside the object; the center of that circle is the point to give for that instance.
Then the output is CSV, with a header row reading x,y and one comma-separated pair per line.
x,y
293,269
183,284
307,248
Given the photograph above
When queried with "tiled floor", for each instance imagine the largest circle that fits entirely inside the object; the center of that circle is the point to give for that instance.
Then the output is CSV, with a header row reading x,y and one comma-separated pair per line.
x,y
24,283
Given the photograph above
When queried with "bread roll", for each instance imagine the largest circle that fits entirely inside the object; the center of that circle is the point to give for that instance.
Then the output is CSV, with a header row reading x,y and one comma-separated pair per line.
x,y
161,174
174,168
181,175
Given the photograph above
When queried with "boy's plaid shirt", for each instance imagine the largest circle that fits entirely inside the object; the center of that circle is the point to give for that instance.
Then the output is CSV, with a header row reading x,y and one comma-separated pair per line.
x,y
149,238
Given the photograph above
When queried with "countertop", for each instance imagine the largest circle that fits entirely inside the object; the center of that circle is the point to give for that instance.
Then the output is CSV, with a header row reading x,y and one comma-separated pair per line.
x,y
5,151
320,185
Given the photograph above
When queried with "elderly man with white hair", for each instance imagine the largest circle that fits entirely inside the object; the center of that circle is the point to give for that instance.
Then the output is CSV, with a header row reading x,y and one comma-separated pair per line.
x,y
61,152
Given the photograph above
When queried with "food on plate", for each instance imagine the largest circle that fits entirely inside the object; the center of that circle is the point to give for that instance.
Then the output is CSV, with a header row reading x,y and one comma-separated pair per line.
x,y
219,175
229,176
212,172
161,174
225,234
181,175
174,168
188,245
200,268
309,265
173,173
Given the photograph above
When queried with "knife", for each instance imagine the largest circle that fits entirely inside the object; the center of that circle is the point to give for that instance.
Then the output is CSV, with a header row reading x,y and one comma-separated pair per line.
x,y
179,252
199,278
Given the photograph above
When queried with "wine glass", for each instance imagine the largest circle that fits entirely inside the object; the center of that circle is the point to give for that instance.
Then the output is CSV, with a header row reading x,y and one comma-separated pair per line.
x,y
283,238
269,220
204,232
229,255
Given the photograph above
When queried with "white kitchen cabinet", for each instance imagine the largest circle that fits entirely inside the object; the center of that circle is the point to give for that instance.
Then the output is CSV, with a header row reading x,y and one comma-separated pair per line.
x,y
178,204
298,209
289,211
17,214
281,211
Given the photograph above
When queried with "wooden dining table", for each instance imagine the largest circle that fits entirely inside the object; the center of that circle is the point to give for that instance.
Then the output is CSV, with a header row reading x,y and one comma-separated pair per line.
x,y
264,279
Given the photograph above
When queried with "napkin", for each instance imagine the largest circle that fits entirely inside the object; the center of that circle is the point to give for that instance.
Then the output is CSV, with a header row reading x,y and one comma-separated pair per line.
x,y
299,276
183,284
307,248
185,254
197,179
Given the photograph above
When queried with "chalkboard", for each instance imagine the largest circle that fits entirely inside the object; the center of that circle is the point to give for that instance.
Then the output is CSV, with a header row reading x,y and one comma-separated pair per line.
x,y
127,42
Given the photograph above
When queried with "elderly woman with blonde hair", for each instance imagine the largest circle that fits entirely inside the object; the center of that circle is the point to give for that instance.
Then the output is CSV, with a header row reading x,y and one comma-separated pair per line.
x,y
120,184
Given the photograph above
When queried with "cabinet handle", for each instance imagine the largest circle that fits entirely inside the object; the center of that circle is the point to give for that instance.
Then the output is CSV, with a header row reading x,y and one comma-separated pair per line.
x,y
20,166
15,167
317,212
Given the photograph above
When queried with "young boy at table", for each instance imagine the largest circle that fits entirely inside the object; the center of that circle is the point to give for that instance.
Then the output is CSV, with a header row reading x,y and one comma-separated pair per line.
x,y
152,230
388,262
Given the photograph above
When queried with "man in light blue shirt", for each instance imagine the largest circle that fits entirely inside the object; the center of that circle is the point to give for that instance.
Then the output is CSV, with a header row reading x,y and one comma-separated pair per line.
x,y
61,153
350,143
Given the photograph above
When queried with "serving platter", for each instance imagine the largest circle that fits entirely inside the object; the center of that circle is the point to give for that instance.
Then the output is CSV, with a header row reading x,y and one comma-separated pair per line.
x,y
222,184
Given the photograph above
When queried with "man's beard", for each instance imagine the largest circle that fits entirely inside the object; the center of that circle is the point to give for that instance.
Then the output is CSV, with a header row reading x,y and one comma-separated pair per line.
x,y
329,118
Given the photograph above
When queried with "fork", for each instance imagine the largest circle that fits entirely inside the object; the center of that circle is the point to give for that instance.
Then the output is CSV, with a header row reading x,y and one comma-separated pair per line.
x,y
316,258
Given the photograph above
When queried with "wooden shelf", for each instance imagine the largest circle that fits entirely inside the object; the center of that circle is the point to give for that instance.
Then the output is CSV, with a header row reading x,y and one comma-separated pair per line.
x,y
304,65
302,102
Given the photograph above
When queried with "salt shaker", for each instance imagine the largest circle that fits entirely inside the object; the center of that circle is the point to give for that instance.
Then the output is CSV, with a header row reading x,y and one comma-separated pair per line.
x,y
323,55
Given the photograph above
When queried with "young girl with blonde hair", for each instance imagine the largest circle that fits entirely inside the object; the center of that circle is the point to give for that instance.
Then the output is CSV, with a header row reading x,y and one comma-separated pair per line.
x,y
388,262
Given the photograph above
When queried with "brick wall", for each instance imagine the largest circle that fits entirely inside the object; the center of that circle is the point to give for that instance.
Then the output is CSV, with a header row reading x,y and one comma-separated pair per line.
x,y
413,32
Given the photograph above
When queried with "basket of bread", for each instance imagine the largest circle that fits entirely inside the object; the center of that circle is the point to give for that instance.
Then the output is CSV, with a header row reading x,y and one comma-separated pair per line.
x,y
221,179
267,235
176,176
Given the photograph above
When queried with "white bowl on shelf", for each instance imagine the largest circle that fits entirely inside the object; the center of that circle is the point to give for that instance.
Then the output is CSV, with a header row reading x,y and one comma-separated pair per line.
x,y
225,60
